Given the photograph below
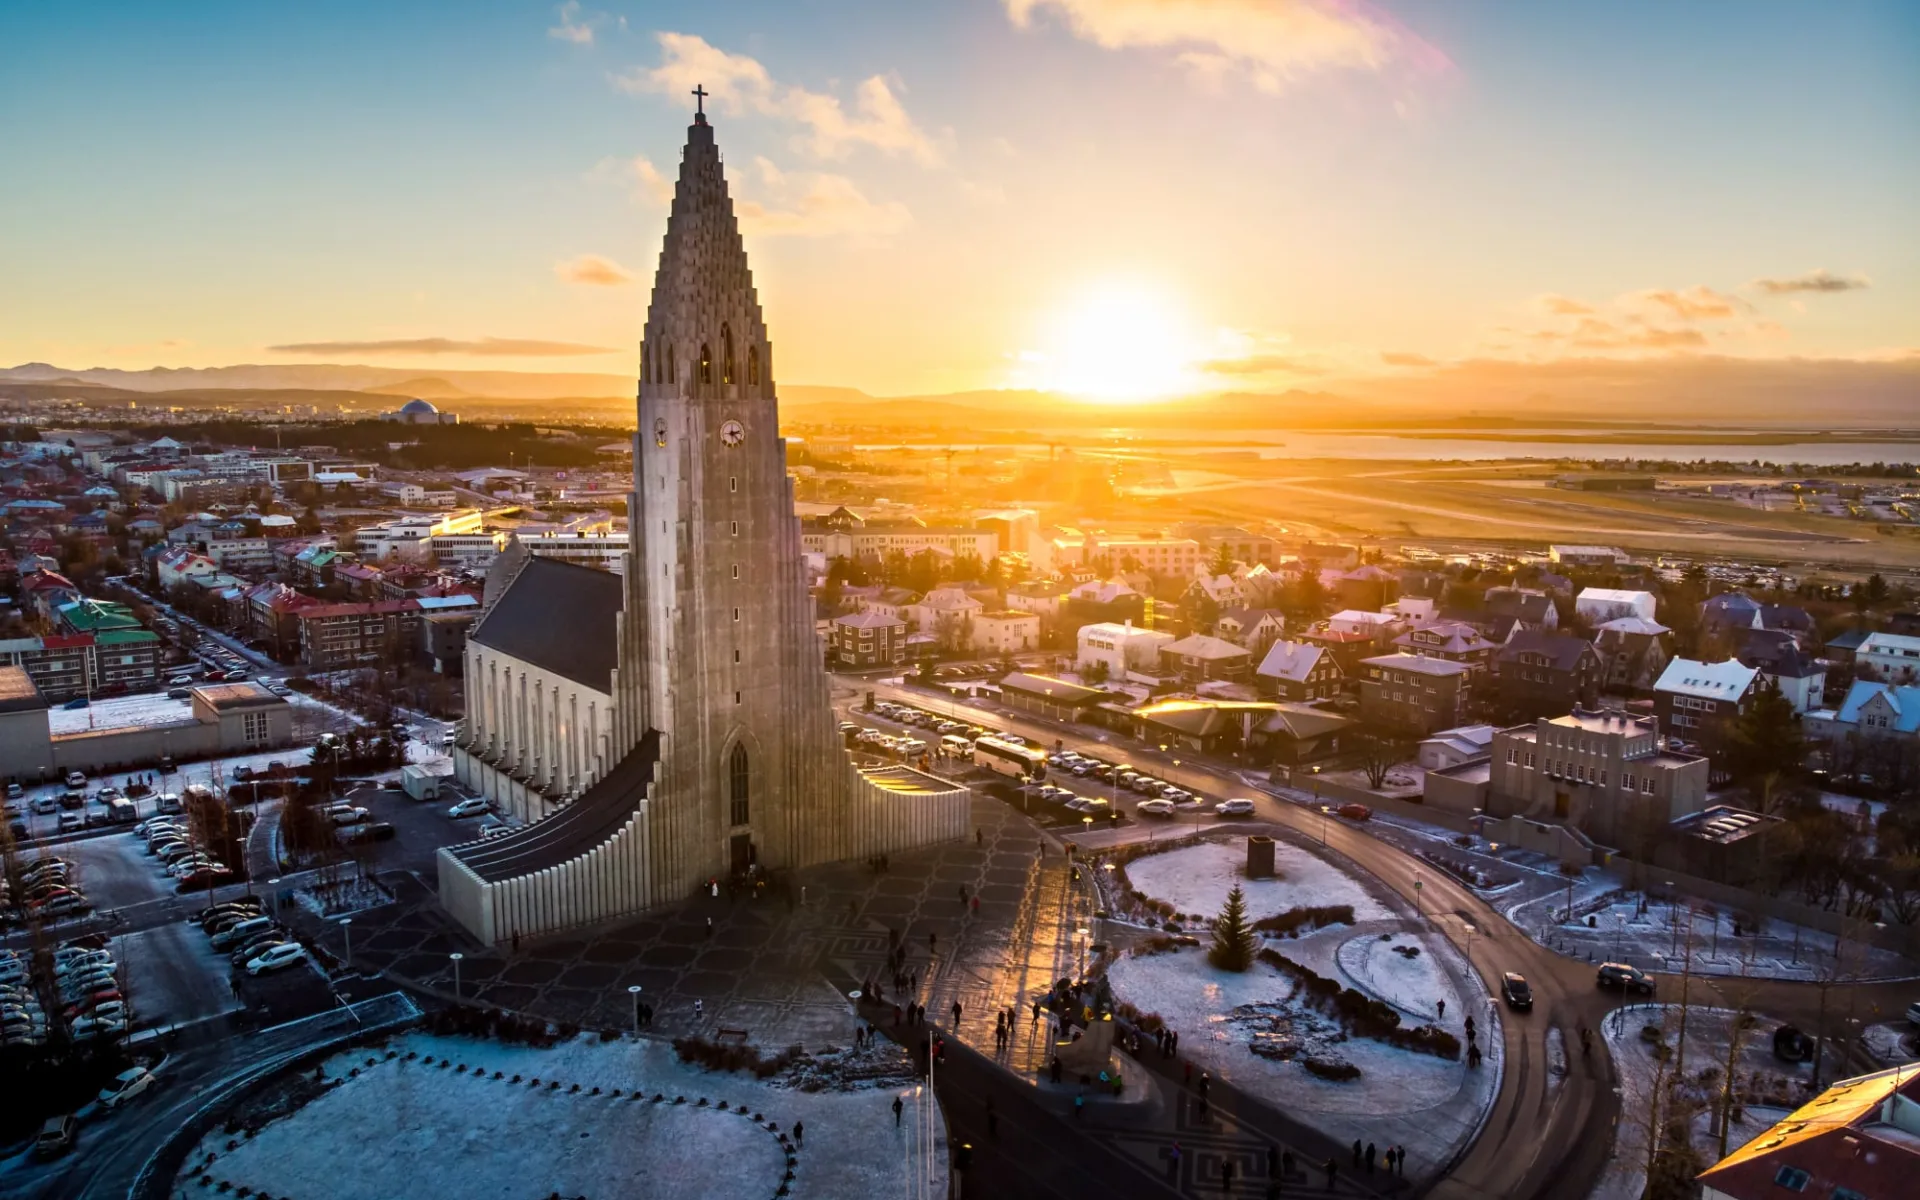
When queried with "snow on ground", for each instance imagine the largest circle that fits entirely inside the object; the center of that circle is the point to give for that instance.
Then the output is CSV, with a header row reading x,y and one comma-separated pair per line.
x,y
1893,1043
1402,779
1767,1087
467,1136
121,712
1196,880
1655,940
1429,1105
1381,965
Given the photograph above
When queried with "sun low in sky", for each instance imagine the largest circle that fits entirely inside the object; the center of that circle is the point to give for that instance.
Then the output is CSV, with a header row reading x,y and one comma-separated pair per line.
x,y
1116,199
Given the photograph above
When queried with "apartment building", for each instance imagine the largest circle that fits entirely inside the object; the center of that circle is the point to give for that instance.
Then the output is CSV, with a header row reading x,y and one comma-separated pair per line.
x,y
1412,693
1599,771
335,636
869,639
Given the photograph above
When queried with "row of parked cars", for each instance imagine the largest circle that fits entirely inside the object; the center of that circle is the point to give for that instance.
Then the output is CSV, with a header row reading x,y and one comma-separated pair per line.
x,y
85,989
908,714
172,844
48,890
253,941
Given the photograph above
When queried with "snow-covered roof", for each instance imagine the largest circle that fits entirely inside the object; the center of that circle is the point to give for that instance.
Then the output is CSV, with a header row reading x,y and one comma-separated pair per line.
x,y
1904,700
1727,680
1633,625
1615,596
1291,661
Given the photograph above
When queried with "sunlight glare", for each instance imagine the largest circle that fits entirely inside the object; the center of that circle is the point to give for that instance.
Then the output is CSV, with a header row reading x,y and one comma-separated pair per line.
x,y
1120,343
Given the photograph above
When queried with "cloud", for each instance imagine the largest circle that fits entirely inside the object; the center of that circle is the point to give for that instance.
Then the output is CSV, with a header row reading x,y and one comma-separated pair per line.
x,y
1269,43
648,185
571,28
481,347
1560,306
740,84
809,204
1402,358
1264,364
593,270
1821,280
1698,303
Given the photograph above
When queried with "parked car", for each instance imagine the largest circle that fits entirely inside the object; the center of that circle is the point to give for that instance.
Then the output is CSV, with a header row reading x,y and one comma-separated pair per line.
x,y
369,831
1234,808
1624,977
1154,808
471,807
76,779
207,877
1355,812
234,934
46,804
56,1137
350,815
1519,995
283,955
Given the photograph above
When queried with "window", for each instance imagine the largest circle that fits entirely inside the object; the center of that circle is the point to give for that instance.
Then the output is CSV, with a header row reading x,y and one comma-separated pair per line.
x,y
1626,781
736,656
726,354
736,572
753,365
739,783
736,529
1513,756
736,614
1792,1178
733,483
706,364
671,376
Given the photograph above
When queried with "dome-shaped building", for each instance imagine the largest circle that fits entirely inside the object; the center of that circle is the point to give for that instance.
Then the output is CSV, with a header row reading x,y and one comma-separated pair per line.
x,y
421,412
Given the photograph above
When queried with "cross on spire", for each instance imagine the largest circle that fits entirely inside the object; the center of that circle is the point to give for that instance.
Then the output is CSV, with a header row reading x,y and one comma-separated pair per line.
x,y
700,94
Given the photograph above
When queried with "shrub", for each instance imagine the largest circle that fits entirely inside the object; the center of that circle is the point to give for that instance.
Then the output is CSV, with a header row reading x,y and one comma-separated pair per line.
x,y
1338,1070
1313,916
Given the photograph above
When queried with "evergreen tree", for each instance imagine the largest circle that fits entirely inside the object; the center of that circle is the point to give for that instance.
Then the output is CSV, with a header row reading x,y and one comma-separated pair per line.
x,y
1765,742
1233,937
1222,560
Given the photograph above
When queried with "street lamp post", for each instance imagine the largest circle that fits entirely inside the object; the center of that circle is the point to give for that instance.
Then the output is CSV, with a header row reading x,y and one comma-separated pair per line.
x,y
346,927
1469,929
1417,911
456,956
633,998
1323,824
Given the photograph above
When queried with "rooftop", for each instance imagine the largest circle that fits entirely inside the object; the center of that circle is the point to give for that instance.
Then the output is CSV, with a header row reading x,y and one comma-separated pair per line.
x,y
1419,664
1727,680
18,692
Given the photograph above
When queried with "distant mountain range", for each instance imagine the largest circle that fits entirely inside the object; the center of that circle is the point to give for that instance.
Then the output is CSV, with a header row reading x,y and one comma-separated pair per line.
x,y
505,385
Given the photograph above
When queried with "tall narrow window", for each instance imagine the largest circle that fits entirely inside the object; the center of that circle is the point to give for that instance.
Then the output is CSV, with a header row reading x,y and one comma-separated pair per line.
x,y
671,377
644,373
739,784
726,354
706,364
753,365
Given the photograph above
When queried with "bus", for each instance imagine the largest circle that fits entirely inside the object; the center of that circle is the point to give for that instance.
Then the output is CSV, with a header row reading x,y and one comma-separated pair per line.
x,y
1009,758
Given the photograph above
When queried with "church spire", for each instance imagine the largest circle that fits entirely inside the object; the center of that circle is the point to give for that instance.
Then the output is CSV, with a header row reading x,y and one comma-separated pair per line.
x,y
705,336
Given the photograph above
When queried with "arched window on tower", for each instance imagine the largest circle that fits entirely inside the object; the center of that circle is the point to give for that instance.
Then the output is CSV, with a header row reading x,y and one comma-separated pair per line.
x,y
738,784
671,376
726,354
753,366
706,364
645,375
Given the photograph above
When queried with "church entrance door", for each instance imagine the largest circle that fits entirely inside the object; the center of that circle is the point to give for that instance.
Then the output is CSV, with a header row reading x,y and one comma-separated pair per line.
x,y
742,853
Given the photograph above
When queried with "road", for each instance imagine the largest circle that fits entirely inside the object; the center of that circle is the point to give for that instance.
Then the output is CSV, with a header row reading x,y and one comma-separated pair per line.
x,y
1536,1138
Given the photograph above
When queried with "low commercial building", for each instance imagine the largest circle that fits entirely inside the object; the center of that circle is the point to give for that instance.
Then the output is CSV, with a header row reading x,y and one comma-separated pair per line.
x,y
1890,657
1600,605
1202,659
1005,631
1608,773
1046,696
40,743
1121,648
1411,693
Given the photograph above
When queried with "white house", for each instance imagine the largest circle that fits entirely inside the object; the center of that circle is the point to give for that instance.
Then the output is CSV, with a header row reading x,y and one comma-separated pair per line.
x,y
1005,631
1451,747
1121,649
1600,605
941,609
1417,611
1893,657
1376,625
1872,710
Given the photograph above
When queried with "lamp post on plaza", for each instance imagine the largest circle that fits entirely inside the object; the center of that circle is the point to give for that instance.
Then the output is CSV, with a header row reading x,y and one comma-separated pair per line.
x,y
346,927
1323,824
1417,912
633,994
1082,937
456,956
1469,928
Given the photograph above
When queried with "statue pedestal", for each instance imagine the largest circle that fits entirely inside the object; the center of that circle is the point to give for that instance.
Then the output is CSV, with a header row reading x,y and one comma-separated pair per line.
x,y
1091,1052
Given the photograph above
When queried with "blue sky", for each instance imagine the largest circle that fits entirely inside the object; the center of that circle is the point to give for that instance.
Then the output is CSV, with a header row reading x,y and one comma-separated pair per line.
x,y
1290,191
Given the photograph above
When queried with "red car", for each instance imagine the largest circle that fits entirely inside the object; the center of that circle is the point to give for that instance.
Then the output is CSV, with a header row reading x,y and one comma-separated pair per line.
x,y
1355,812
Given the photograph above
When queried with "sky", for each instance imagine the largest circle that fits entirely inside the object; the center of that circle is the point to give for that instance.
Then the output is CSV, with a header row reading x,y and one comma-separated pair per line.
x,y
1115,198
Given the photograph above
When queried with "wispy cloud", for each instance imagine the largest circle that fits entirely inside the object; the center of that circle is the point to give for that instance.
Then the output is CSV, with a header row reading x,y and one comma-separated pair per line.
x,y
1821,280
1269,43
740,84
1403,358
811,204
1266,364
1561,306
593,270
1697,303
571,28
487,347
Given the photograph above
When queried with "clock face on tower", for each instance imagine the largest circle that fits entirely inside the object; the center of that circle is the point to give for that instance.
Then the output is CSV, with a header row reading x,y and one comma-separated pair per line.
x,y
660,432
731,433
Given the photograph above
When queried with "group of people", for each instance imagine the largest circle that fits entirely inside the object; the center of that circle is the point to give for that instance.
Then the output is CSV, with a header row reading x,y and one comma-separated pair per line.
x,y
1396,1158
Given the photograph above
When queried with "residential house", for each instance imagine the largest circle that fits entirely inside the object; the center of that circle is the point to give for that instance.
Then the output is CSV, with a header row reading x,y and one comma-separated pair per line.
x,y
334,636
1120,649
1453,747
1298,673
1004,631
1858,1140
1415,611
1604,772
1456,641
272,614
1221,592
1379,627
869,639
1348,650
1871,710
1600,605
1633,652
1894,657
1411,693
1695,701
1272,732
1368,588
1511,608
1044,598
1108,601
1721,615
45,592
1253,628
947,613
1797,675
1537,674
893,602
1198,658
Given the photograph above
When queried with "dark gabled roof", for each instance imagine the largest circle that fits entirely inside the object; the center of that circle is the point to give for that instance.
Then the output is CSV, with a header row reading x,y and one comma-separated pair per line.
x,y
557,616
1048,688
1562,651
577,828
1531,607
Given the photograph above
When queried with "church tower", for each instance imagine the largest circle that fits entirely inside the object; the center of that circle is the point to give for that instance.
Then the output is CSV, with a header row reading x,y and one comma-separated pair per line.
x,y
717,645
674,724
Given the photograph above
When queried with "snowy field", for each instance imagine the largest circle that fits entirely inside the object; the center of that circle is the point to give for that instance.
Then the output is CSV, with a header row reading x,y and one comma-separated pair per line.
x,y
427,1132
120,712
1196,880
1429,1105
1758,1073
1399,968
1656,939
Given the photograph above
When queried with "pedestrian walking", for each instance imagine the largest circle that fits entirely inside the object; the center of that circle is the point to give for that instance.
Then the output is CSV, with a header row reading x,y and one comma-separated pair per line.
x,y
956,1014
963,893
1173,1161
1053,1069
1176,1042
1205,1082
1333,1172
1369,1158
975,902
1079,1105
1226,1175
799,1133
1443,1009
516,941
979,837
709,926
1036,1013
898,1104
1356,1152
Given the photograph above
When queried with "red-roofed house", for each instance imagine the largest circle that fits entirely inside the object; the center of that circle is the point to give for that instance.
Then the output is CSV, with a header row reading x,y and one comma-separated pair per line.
x,y
1858,1140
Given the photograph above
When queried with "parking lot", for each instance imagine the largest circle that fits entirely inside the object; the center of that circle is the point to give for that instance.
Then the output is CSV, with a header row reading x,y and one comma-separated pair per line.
x,y
173,976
